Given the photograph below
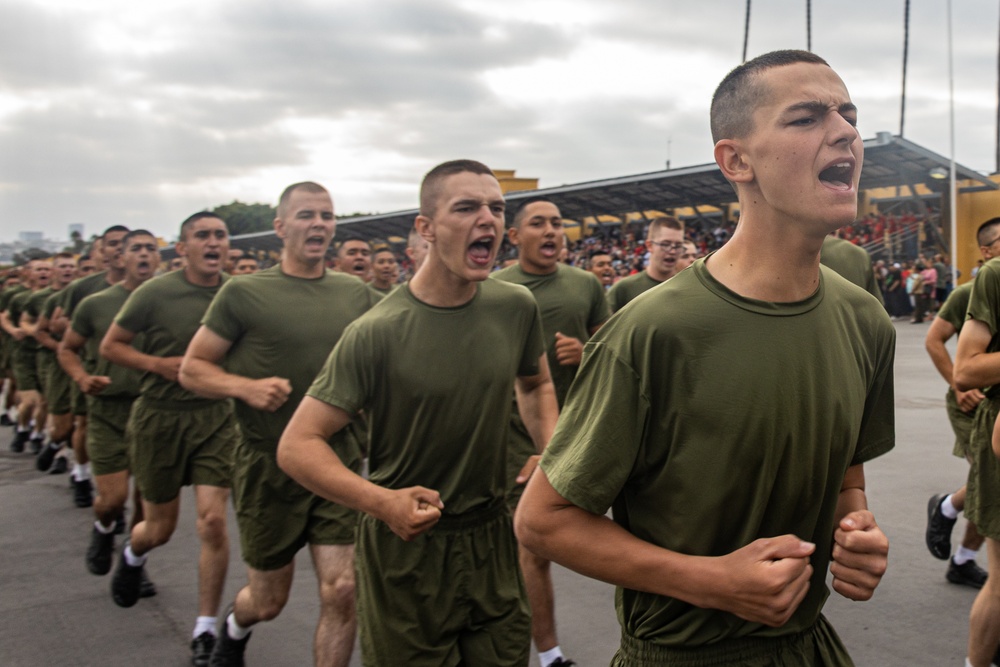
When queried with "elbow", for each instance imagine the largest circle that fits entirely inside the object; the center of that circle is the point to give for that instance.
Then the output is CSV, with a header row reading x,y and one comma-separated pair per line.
x,y
184,376
961,377
286,457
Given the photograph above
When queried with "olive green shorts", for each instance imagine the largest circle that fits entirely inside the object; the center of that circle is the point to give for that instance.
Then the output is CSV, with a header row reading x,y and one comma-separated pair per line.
x,y
961,424
277,516
106,425
520,447
982,500
452,596
25,370
58,390
172,445
817,646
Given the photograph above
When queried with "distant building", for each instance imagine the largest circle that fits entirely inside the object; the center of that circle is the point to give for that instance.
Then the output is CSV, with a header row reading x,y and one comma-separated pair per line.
x,y
31,237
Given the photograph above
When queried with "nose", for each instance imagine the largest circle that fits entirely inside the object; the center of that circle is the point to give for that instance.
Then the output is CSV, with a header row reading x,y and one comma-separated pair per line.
x,y
842,131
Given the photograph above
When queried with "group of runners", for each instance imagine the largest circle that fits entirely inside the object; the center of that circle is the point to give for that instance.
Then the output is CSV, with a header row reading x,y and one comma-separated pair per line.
x,y
724,413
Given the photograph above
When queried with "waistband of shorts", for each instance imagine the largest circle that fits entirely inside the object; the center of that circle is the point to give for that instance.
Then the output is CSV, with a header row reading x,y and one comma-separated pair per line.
x,y
727,652
472,518
192,404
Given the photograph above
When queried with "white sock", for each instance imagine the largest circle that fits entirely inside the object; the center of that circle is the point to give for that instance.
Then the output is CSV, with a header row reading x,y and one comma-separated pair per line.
x,y
132,559
23,429
81,472
37,435
948,509
967,663
204,624
963,556
234,629
546,657
102,529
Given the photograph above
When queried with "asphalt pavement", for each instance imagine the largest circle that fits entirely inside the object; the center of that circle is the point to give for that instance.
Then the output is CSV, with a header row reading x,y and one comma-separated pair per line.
x,y
53,612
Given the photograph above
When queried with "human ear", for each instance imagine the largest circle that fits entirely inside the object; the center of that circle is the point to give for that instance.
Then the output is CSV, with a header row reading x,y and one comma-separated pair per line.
x,y
424,227
732,161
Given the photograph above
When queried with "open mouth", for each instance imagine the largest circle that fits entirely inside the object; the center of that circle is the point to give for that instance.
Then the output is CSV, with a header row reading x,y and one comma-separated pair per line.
x,y
548,249
316,241
143,265
212,255
481,250
839,175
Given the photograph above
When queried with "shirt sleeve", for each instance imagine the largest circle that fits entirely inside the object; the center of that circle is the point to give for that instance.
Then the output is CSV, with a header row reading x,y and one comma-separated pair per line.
x,y
346,380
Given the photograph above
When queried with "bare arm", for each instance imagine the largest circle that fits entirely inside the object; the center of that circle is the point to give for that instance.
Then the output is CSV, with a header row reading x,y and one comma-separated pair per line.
x,y
764,581
975,368
8,325
939,333
29,324
202,373
68,355
304,454
44,336
860,549
117,348
539,410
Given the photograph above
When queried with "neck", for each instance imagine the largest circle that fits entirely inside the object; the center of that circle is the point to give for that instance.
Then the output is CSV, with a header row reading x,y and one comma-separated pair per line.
x,y
201,279
114,275
435,285
300,269
769,262
658,275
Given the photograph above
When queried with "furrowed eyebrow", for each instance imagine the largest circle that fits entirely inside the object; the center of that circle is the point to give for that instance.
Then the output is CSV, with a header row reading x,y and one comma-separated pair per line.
x,y
815,106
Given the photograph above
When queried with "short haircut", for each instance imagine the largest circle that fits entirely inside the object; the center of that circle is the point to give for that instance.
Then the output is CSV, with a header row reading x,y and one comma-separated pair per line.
x,y
137,232
191,219
308,186
352,239
430,187
986,230
597,253
382,249
520,214
741,92
85,257
667,221
114,228
64,255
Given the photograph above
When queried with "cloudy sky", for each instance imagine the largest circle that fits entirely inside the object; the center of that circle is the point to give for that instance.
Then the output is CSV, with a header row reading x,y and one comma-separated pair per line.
x,y
114,111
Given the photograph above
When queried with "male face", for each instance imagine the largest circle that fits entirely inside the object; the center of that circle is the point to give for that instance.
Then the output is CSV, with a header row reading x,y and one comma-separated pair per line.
x,y
804,151
539,237
665,247
385,268
231,259
85,267
417,250
354,257
111,249
41,273
306,226
97,254
141,256
465,229
600,266
205,247
245,265
176,263
63,270
688,256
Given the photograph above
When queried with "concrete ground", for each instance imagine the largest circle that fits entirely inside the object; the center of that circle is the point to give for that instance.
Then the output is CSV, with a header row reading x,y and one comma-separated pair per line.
x,y
55,613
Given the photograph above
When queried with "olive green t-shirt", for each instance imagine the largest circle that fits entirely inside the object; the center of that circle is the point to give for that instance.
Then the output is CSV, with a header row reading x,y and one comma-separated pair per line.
x,y
35,307
954,308
571,301
984,306
628,288
92,319
81,288
17,307
851,262
719,420
168,311
436,386
283,326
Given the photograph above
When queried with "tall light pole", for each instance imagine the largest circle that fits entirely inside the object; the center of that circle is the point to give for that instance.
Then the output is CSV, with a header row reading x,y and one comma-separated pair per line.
x,y
952,189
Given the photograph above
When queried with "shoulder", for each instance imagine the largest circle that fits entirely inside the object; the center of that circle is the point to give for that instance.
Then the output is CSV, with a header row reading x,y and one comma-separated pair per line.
x,y
491,291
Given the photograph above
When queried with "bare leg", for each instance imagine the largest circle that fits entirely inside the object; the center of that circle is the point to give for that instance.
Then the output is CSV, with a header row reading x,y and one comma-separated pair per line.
x,y
337,626
958,499
984,619
214,558
112,492
158,524
264,596
80,439
538,581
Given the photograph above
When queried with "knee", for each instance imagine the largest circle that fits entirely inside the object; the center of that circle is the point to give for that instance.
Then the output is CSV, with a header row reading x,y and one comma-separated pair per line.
x,y
338,593
158,533
269,608
212,528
